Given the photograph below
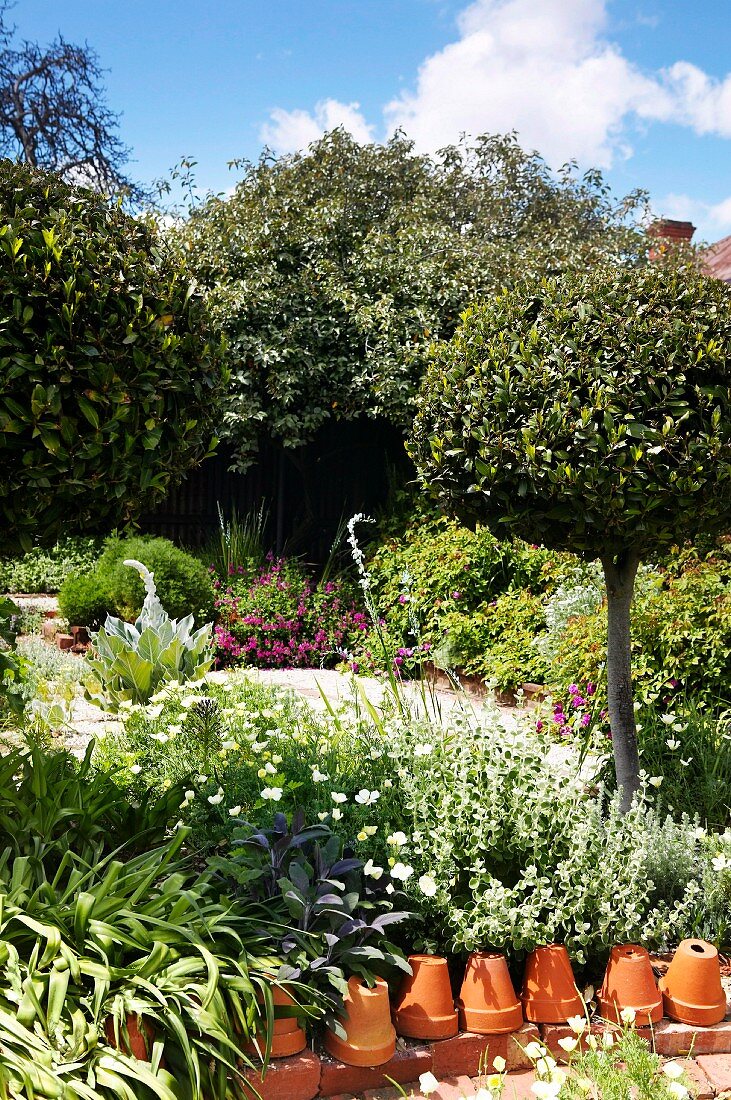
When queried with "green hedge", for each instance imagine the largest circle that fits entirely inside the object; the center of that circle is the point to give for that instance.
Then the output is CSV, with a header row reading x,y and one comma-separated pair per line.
x,y
111,376
183,583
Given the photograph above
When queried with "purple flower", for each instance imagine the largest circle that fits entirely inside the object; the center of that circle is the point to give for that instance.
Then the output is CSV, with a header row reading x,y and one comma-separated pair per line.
x,y
539,726
585,719
590,688
403,599
573,689
456,595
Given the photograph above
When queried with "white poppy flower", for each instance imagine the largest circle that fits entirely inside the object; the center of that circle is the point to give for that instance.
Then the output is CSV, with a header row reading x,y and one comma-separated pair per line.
x,y
428,1084
273,794
672,1070
546,1090
366,798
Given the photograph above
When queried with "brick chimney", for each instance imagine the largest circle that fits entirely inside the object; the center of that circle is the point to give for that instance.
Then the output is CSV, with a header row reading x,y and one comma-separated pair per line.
x,y
669,232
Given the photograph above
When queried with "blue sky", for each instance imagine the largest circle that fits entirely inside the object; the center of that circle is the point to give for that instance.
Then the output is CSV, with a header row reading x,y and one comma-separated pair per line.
x,y
641,88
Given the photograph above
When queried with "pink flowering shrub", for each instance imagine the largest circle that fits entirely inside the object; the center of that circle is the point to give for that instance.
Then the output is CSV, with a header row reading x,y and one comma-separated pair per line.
x,y
580,714
276,617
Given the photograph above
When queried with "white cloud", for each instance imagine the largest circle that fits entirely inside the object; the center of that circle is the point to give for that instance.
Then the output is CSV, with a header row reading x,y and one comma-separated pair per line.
x,y
543,69
288,131
700,101
546,68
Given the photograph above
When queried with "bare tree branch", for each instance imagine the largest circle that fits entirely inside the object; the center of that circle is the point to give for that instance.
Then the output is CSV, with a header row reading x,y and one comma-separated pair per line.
x,y
53,113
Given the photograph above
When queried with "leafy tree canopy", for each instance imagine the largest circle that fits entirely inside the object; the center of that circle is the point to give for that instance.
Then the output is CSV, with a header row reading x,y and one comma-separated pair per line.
x,y
332,271
109,380
590,412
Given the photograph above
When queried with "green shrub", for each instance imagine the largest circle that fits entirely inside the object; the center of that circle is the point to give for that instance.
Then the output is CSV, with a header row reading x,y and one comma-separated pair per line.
x,y
41,570
84,600
183,583
498,642
681,633
112,393
497,842
439,566
446,589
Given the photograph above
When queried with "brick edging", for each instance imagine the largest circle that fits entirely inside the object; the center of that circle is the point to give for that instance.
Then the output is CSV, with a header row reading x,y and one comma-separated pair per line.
x,y
309,1075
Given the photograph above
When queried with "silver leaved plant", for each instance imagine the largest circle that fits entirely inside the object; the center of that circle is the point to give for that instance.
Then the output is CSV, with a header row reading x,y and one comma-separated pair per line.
x,y
131,661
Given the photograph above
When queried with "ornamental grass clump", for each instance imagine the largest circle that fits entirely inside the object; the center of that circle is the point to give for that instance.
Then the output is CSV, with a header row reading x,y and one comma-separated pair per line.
x,y
107,927
132,660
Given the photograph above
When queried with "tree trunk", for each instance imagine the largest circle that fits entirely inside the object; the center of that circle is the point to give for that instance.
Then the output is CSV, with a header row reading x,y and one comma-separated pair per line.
x,y
620,571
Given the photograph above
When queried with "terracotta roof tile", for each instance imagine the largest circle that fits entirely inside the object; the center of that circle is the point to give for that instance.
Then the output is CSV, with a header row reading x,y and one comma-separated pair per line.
x,y
717,259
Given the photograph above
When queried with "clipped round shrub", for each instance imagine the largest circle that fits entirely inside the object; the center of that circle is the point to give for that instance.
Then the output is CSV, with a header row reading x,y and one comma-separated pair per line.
x,y
589,413
110,380
84,600
183,583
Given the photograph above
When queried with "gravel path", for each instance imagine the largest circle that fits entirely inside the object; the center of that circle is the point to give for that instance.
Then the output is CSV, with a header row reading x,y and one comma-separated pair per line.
x,y
88,721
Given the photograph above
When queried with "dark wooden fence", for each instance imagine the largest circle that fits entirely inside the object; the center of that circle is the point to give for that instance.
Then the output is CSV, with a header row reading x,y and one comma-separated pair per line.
x,y
349,467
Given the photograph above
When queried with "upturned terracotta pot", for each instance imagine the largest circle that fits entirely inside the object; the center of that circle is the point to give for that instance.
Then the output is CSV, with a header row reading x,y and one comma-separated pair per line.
x,y
135,1038
370,1036
288,1037
691,987
488,1003
549,992
424,1008
630,983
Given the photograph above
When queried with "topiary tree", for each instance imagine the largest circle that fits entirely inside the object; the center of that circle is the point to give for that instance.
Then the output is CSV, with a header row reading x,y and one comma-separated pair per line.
x,y
331,271
109,380
590,413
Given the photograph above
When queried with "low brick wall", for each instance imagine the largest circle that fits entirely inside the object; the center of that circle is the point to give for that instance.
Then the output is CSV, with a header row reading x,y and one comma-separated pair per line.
x,y
705,1053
